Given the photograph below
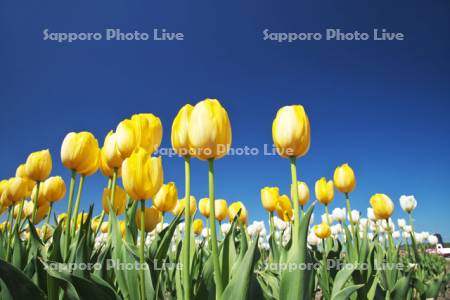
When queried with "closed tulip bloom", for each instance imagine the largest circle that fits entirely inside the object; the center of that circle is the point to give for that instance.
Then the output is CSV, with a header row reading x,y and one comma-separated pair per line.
x,y
93,167
38,165
41,199
291,131
79,151
203,207
18,189
209,130
408,203
119,200
54,189
166,198
234,208
152,217
322,231
221,209
5,201
94,224
197,226
42,212
105,168
382,206
324,191
303,192
105,227
344,179
180,131
181,204
269,198
284,208
62,218
81,219
127,139
111,151
21,171
27,205
142,175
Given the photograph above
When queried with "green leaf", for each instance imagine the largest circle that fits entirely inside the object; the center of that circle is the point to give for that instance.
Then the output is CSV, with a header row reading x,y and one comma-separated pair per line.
x,y
239,284
346,292
294,283
401,288
18,285
341,278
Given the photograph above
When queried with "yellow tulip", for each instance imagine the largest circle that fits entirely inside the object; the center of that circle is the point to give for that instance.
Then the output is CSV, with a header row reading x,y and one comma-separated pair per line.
x,y
41,199
143,130
79,151
142,175
105,227
269,198
62,218
291,131
54,189
105,168
382,206
5,200
284,208
81,219
166,198
324,191
48,232
111,151
119,200
21,171
180,131
41,213
152,217
38,165
182,203
203,207
344,179
322,231
221,209
234,208
94,224
303,192
122,228
18,189
209,130
93,168
197,226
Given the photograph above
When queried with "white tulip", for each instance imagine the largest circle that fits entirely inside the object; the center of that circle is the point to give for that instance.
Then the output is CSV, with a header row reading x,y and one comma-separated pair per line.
x,y
324,219
401,223
407,228
396,235
355,216
363,222
408,203
313,240
339,214
370,214
225,227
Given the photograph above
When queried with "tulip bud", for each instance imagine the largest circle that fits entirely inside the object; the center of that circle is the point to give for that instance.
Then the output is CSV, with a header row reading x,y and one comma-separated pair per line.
x,y
291,132
209,130
181,204
382,206
142,175
322,231
79,151
41,212
203,207
221,209
303,193
152,217
180,131
344,179
119,200
62,218
111,151
166,198
54,189
18,189
81,219
197,226
21,171
38,165
41,199
408,203
233,210
127,139
284,208
324,191
269,198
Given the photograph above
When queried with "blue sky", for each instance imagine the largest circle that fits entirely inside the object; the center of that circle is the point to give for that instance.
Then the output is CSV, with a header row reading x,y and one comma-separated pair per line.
x,y
380,106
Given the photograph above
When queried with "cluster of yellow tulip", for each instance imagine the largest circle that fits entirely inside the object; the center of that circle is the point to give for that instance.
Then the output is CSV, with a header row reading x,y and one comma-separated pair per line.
x,y
204,132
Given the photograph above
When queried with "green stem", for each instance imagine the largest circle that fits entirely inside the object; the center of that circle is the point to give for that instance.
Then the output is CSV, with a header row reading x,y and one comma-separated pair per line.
x,y
296,229
271,224
349,211
187,229
112,196
69,215
325,267
327,214
102,217
212,214
10,229
35,202
77,204
141,248
47,221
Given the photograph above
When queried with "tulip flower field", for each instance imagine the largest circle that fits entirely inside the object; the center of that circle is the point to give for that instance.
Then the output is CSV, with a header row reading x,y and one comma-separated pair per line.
x,y
149,241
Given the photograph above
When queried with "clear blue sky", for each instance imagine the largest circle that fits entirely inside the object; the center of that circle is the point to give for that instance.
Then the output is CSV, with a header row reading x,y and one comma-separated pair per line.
x,y
382,107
